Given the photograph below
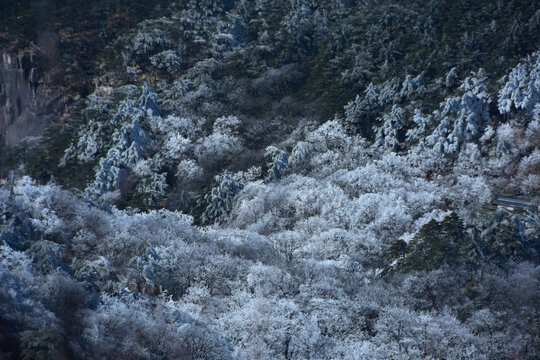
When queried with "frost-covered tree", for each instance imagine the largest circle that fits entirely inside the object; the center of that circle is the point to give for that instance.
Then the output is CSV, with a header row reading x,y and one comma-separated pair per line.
x,y
129,144
374,100
422,124
521,88
221,145
451,78
152,188
437,244
412,86
118,141
390,133
461,119
300,155
278,165
219,199
167,60
323,248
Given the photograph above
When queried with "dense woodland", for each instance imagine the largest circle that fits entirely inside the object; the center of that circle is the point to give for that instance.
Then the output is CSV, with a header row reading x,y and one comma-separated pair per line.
x,y
274,179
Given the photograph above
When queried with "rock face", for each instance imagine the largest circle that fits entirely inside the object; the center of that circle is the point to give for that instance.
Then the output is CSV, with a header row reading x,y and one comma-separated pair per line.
x,y
25,108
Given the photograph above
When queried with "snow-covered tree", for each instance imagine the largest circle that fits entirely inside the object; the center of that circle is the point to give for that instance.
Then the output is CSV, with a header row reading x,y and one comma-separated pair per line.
x,y
390,133
521,88
219,200
278,165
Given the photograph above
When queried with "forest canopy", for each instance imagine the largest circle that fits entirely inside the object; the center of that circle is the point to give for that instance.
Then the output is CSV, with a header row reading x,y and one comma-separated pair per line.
x,y
272,179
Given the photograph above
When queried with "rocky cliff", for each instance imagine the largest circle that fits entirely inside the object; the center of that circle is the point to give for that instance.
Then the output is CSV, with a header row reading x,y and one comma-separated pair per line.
x,y
26,108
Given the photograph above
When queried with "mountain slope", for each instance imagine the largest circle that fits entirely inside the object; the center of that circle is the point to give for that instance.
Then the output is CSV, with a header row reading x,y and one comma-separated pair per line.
x,y
282,180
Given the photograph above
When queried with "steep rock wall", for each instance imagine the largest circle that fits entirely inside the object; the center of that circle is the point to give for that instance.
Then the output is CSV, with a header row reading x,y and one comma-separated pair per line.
x,y
26,109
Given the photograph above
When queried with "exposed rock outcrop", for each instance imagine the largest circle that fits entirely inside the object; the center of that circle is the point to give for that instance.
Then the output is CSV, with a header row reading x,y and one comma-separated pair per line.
x,y
26,109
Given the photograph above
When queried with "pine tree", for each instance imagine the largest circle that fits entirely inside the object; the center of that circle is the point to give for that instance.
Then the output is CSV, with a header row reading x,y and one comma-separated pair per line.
x,y
278,165
436,245
219,200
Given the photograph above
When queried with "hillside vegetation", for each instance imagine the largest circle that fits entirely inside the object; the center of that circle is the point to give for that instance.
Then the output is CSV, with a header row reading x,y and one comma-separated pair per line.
x,y
279,180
